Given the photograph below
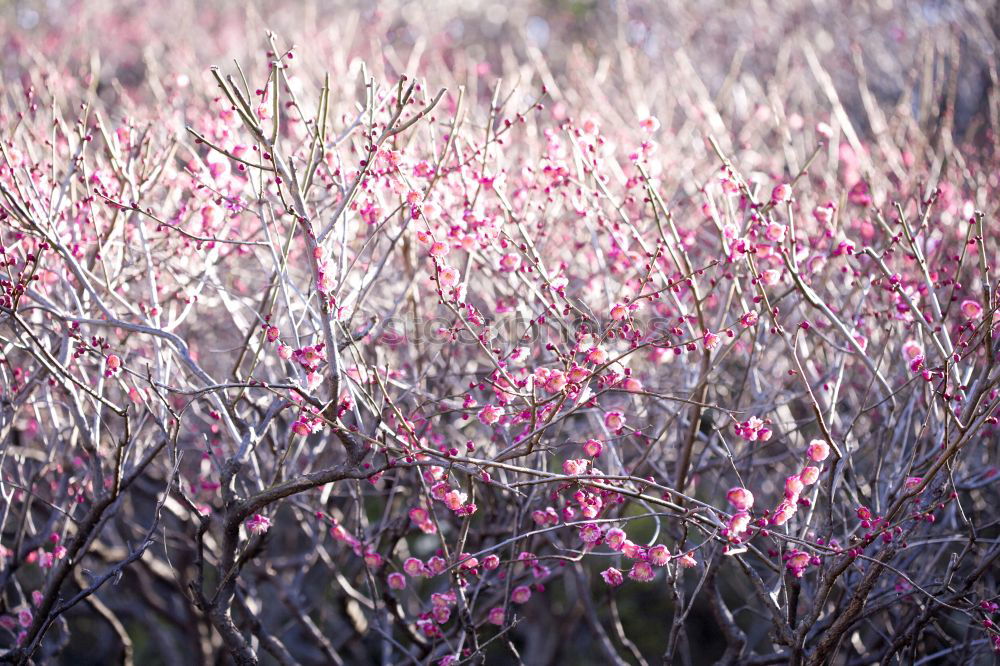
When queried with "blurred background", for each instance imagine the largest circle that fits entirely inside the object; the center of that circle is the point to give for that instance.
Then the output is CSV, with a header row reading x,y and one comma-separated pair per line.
x,y
906,48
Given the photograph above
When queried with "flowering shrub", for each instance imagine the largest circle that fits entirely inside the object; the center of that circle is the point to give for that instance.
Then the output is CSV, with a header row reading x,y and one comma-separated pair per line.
x,y
420,364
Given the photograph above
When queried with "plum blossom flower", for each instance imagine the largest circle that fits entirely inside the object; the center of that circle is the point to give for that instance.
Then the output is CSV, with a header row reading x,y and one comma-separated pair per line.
x,y
783,513
740,498
642,572
793,486
615,538
650,124
614,420
597,356
449,276
520,594
781,193
590,533
971,310
911,350
414,567
687,560
797,561
737,525
397,581
809,475
496,615
612,577
490,414
258,524
775,232
818,450
592,448
114,364
659,555
510,262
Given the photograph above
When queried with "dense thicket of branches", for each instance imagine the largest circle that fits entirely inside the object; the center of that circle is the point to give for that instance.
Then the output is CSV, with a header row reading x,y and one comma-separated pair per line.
x,y
507,334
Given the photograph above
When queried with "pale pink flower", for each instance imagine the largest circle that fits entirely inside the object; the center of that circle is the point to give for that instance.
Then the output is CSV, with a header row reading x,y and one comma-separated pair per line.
x,y
793,486
590,533
781,193
449,276
258,524
642,572
414,567
490,414
650,124
612,577
496,616
737,525
818,450
740,498
614,420
659,555
775,232
687,560
809,475
615,538
971,310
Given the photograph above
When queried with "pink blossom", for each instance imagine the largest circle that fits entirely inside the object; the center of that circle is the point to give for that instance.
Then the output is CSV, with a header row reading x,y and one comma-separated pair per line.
x,y
687,560
650,124
490,414
971,310
737,525
740,498
592,448
642,572
449,276
793,486
258,524
612,577
496,616
397,581
614,420
414,567
615,538
659,555
590,533
818,450
809,475
520,594
782,193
